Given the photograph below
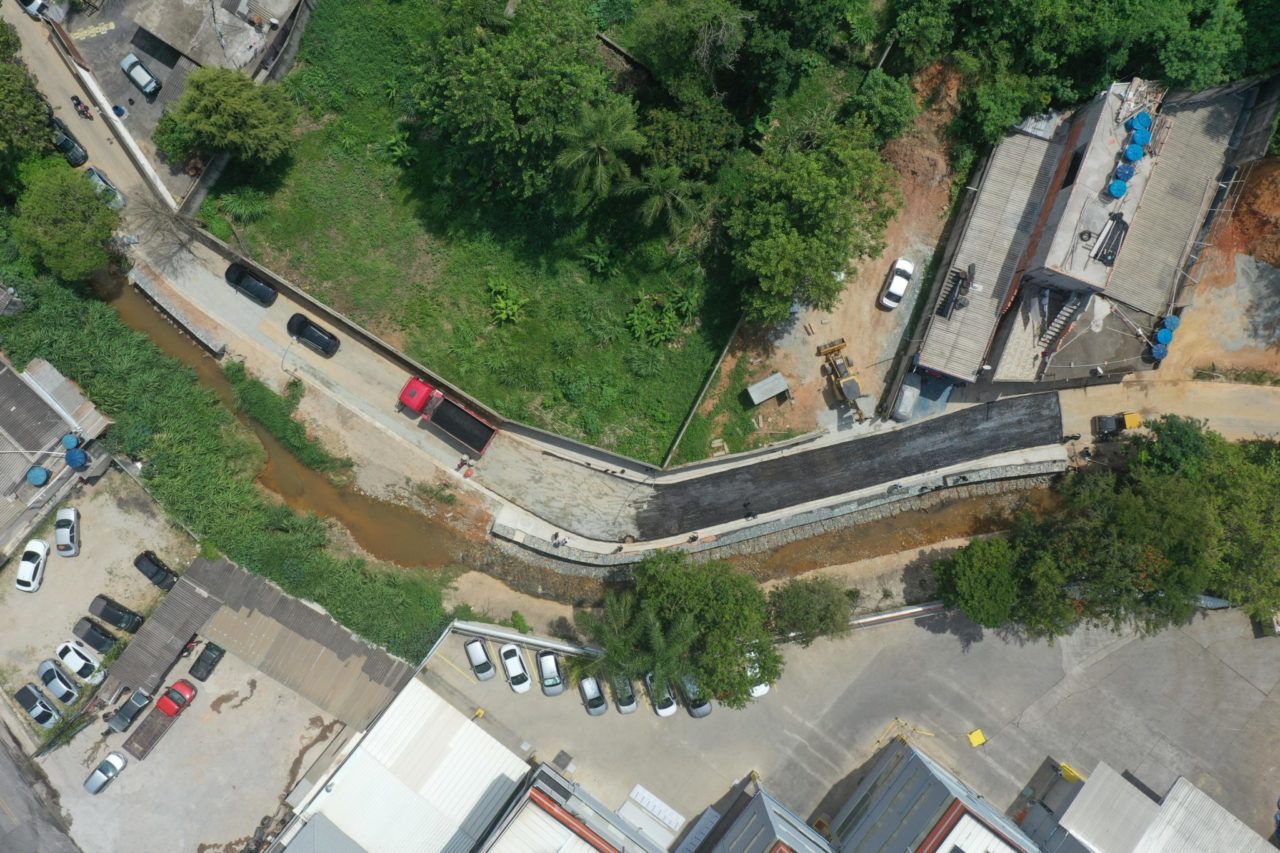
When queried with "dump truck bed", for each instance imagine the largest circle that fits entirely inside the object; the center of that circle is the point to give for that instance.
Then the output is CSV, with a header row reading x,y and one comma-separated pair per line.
x,y
148,734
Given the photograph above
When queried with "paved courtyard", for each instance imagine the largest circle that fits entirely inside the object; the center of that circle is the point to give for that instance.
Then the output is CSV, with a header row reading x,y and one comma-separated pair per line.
x,y
1200,701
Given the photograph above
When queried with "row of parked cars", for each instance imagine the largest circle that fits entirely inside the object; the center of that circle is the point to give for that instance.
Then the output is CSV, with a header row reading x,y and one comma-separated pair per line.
x,y
300,327
551,675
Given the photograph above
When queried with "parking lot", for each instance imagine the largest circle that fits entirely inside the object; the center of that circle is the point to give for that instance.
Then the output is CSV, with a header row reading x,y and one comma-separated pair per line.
x,y
1200,701
228,759
117,521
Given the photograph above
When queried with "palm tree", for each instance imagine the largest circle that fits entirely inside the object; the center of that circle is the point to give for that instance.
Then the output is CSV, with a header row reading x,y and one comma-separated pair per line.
x,y
667,647
666,195
616,631
593,149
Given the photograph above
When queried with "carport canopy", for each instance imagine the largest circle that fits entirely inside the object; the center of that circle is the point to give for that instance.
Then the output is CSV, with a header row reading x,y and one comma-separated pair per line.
x,y
771,386
154,650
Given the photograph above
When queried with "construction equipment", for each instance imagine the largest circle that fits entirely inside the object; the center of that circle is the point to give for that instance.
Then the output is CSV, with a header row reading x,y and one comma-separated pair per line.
x,y
1110,426
838,368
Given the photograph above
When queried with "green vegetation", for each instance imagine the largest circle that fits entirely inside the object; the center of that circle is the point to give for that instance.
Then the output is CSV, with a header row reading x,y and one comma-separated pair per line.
x,y
62,220
275,413
25,129
200,464
732,419
701,621
223,110
1245,375
1190,513
808,608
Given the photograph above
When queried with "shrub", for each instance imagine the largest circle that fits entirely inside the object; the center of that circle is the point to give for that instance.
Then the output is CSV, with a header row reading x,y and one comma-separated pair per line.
x,y
275,414
809,608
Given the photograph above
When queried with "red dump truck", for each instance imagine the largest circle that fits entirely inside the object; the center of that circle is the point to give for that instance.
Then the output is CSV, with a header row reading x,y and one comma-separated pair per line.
x,y
456,421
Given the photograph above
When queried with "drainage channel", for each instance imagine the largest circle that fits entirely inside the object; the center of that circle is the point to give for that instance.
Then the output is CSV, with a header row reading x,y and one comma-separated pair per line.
x,y
387,531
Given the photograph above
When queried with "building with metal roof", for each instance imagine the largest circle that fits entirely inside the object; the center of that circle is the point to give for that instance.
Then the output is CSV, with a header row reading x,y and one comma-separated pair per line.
x,y
1083,230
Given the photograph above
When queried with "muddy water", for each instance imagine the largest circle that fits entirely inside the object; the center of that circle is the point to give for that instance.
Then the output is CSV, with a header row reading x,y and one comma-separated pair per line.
x,y
387,531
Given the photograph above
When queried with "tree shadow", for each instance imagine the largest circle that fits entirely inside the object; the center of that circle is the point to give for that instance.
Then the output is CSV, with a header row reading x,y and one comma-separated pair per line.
x,y
952,621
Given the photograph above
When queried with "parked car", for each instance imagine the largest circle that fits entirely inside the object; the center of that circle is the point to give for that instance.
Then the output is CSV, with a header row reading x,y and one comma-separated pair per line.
x,y
250,285
550,674
664,702
132,708
207,662
31,567
624,694
478,657
302,329
82,663
513,668
177,698
67,144
154,569
115,614
105,773
37,706
57,682
66,531
897,283
94,635
138,74
592,696
35,8
759,688
115,200
694,702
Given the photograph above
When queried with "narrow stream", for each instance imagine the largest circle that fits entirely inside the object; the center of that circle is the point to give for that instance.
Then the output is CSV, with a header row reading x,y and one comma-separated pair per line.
x,y
388,531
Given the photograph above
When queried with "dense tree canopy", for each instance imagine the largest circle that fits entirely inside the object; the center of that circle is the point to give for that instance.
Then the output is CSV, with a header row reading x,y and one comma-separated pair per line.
x,y
1189,514
223,110
62,219
706,622
24,130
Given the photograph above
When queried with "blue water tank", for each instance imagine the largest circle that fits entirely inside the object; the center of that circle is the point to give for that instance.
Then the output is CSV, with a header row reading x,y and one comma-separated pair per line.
x,y
1124,172
70,440
1141,137
1172,321
1164,336
37,476
1134,153
1139,120
77,458
1159,352
1117,189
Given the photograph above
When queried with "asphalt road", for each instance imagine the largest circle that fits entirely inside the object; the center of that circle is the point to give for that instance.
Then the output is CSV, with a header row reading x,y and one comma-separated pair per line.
x,y
27,825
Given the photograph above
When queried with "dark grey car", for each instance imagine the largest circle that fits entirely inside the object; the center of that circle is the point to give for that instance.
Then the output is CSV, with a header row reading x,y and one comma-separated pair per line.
x,y
67,144
207,662
124,716
250,285
115,614
154,569
306,332
94,635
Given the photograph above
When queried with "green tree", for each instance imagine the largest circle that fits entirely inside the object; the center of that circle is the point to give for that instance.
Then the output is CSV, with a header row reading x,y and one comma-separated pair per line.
x,y
595,148
500,92
689,44
666,196
797,217
809,608
222,110
10,44
62,220
886,103
728,614
980,579
696,137
24,130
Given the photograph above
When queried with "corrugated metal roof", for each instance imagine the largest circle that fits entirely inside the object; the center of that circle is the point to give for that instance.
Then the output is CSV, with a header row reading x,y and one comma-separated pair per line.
x,y
768,388
154,649
299,644
1173,203
764,824
66,396
994,238
1109,814
1190,821
425,779
534,829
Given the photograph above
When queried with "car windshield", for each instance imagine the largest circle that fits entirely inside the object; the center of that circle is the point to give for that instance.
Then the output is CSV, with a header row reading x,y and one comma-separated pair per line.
x,y
175,697
63,523
519,678
30,557
622,688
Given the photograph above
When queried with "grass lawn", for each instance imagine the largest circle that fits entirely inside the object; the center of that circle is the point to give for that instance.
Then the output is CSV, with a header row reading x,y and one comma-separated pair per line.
x,y
364,228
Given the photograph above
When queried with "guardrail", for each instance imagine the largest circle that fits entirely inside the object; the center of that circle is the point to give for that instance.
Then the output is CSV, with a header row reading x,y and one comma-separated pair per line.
x,y
507,635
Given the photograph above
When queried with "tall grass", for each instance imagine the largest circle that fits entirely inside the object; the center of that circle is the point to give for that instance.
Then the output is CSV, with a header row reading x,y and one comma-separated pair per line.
x,y
275,414
200,463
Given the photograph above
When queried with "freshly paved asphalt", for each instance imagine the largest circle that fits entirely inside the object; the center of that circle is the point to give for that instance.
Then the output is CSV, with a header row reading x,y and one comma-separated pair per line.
x,y
1014,423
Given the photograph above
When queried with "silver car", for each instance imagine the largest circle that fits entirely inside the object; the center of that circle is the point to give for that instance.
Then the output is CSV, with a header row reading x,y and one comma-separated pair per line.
x,y
478,657
694,702
105,188
66,532
37,706
57,682
624,694
139,75
592,696
105,773
550,674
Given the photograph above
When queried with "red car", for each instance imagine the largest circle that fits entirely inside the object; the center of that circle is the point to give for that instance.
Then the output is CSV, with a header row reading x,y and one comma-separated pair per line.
x,y
176,698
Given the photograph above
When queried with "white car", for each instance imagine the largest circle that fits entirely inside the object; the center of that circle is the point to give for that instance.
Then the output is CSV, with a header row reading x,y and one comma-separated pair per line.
x,y
35,8
31,566
513,667
897,283
105,772
82,662
66,531
758,688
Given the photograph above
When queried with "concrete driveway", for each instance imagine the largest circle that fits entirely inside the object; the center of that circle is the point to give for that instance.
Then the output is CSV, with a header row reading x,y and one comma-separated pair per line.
x,y
1200,701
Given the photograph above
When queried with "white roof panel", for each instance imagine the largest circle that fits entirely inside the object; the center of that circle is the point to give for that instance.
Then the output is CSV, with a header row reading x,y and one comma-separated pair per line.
x,y
1190,821
1109,814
